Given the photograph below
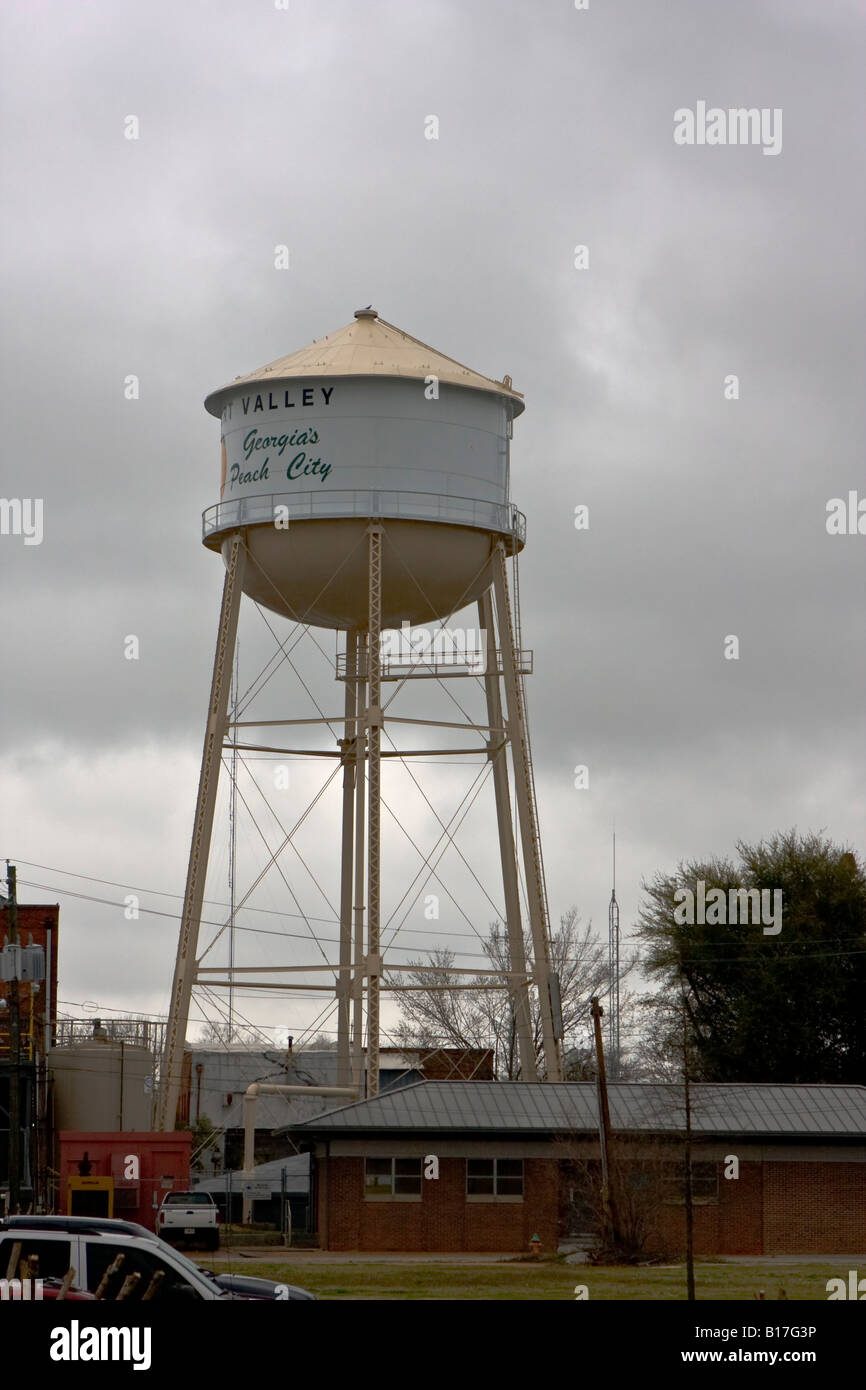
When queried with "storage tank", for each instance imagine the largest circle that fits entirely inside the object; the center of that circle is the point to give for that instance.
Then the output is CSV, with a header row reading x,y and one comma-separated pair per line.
x,y
367,422
102,1085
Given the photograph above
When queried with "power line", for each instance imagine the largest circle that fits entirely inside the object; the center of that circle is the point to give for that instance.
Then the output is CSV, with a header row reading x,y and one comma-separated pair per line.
x,y
263,931
160,893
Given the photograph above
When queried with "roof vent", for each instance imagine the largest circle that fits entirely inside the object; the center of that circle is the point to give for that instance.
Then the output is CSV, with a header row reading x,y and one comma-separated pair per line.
x,y
368,313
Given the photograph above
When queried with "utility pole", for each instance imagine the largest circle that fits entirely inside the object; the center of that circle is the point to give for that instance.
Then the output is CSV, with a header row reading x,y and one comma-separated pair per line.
x,y
690,1222
14,1053
613,944
607,1193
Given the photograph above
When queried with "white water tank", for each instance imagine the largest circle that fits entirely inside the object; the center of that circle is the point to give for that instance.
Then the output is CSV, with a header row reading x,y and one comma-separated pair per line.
x,y
103,1085
366,423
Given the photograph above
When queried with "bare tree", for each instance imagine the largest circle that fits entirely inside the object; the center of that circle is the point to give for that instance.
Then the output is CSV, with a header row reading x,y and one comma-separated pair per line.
x,y
483,1017
659,1057
641,1190
220,1034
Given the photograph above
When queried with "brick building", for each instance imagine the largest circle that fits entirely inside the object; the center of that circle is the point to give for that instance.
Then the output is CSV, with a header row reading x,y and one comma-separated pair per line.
x,y
38,923
486,1166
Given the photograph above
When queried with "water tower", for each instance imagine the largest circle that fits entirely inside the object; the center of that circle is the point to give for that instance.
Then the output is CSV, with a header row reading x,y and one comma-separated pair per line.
x,y
365,484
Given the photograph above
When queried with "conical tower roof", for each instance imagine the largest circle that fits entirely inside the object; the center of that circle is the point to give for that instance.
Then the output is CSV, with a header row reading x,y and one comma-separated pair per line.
x,y
368,346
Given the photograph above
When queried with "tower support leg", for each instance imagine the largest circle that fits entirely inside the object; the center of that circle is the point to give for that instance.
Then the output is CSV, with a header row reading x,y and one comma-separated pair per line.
x,y
360,881
185,965
496,752
525,795
344,983
374,739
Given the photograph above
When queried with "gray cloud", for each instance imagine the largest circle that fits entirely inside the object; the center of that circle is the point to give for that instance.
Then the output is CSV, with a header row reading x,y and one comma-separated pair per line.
x,y
155,258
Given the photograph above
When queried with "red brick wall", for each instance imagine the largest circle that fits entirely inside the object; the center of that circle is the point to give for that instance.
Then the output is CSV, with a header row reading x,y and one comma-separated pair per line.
x,y
771,1208
443,1220
776,1208
458,1063
741,1212
814,1208
33,920
732,1226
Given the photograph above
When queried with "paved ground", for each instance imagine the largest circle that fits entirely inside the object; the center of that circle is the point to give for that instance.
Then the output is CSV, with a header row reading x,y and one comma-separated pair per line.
x,y
348,1257
273,1253
851,1260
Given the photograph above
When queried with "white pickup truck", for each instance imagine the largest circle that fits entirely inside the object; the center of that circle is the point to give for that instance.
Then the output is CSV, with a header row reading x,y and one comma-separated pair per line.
x,y
189,1217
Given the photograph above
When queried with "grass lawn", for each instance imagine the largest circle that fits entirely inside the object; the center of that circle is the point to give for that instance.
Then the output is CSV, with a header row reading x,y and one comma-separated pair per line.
x,y
546,1279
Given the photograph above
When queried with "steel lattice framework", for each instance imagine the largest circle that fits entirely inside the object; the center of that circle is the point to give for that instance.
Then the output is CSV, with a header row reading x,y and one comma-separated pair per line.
x,y
361,972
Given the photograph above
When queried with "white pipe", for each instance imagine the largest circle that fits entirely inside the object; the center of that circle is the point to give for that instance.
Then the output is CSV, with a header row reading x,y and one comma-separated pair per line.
x,y
269,1088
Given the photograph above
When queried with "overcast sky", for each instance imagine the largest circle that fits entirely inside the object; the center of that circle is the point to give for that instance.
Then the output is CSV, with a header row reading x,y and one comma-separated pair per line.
x,y
305,126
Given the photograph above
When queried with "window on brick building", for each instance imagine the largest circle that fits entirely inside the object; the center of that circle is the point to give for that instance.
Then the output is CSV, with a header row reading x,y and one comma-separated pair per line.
x,y
705,1183
392,1178
494,1179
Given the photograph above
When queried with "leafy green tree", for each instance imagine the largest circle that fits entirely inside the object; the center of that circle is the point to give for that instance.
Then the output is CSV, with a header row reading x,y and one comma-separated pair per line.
x,y
789,1007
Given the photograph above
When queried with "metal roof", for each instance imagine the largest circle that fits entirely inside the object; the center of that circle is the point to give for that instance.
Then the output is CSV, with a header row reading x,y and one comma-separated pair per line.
x,y
529,1107
368,346
295,1166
